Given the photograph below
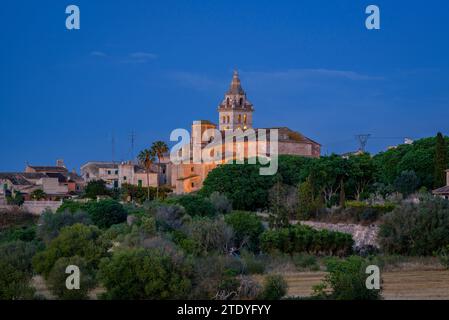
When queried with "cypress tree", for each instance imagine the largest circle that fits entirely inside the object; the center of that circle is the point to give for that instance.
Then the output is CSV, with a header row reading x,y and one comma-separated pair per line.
x,y
441,161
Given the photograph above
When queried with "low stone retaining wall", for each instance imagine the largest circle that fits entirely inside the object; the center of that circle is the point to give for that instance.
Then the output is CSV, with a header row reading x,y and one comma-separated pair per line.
x,y
362,235
37,207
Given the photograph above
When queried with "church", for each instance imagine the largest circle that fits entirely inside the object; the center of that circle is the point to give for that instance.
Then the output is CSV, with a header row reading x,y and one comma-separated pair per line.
x,y
235,112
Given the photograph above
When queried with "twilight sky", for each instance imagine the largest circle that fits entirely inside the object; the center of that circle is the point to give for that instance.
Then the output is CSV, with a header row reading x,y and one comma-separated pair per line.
x,y
153,66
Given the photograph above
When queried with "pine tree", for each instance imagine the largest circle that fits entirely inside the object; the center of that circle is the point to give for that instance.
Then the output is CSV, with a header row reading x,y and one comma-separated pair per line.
x,y
441,161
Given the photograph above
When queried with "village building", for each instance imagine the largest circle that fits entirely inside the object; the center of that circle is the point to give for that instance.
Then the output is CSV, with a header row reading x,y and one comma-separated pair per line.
x,y
443,191
55,181
235,112
117,174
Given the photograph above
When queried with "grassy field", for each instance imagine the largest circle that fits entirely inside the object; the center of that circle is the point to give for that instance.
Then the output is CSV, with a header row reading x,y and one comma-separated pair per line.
x,y
401,284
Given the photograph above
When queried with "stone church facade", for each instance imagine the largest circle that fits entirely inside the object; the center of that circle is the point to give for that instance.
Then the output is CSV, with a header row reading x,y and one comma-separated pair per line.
x,y
235,112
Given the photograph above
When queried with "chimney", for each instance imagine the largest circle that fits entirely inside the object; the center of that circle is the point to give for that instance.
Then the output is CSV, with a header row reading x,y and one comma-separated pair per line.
x,y
60,163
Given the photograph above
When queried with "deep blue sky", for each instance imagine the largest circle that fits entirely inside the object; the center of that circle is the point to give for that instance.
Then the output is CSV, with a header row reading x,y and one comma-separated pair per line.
x,y
153,66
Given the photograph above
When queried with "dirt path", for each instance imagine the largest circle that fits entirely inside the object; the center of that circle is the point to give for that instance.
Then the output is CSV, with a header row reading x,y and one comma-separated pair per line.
x,y
427,284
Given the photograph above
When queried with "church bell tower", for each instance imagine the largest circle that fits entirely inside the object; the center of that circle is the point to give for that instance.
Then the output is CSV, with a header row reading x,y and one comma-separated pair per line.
x,y
235,111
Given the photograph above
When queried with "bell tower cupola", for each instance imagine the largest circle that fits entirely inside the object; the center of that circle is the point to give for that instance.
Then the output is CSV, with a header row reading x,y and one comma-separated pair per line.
x,y
235,111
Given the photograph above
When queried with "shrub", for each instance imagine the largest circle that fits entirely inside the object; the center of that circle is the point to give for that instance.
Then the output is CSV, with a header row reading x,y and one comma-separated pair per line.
x,y
304,261
144,274
80,240
71,206
300,238
274,288
402,230
210,235
347,281
220,202
16,270
247,228
407,182
51,223
57,279
107,212
443,255
195,205
96,188
169,217
252,264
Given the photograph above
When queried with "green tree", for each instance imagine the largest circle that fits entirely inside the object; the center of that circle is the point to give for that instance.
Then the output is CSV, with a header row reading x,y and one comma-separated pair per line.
x,y
16,270
274,288
159,149
51,223
16,199
416,229
38,195
307,203
195,205
241,183
347,281
247,228
441,161
146,159
76,240
407,182
57,279
361,174
145,274
105,213
96,188
278,216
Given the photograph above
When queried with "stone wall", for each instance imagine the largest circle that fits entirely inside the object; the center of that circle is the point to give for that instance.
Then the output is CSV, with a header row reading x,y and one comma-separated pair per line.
x,y
362,235
37,207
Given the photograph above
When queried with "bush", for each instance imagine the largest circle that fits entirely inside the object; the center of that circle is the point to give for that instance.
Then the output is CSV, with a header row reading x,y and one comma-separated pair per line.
x,y
304,261
195,205
96,188
402,230
169,217
274,288
300,238
107,212
443,255
83,241
16,270
220,202
347,281
145,274
51,223
247,228
252,264
57,279
211,235
71,206
407,182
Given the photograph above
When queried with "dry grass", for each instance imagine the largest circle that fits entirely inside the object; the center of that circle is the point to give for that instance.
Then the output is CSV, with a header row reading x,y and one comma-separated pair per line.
x,y
406,285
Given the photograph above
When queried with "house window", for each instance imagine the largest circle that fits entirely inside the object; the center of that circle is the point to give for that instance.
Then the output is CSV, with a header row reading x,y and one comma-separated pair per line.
x,y
229,119
139,183
240,118
124,178
244,118
192,169
193,185
109,171
116,184
116,171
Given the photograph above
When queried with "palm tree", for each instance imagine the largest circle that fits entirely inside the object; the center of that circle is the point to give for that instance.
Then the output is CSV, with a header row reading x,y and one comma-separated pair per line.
x,y
159,148
146,159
